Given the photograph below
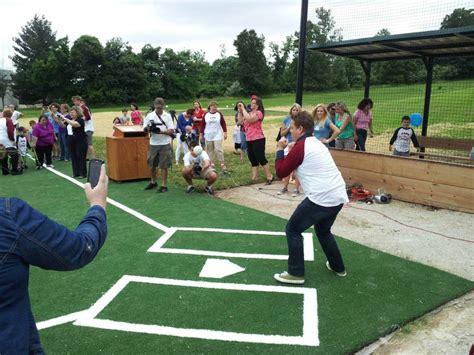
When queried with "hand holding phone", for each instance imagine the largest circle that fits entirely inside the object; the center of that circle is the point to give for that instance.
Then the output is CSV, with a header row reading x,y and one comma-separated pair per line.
x,y
93,173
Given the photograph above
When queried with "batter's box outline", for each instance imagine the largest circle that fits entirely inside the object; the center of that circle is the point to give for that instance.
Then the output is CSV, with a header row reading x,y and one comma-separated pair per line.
x,y
310,336
158,246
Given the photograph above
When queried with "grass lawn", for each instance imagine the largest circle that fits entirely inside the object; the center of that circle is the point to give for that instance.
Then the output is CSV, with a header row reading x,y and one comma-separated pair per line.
x,y
380,293
452,104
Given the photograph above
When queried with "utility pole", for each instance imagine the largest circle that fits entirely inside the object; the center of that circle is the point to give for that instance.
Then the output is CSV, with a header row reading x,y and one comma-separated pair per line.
x,y
301,52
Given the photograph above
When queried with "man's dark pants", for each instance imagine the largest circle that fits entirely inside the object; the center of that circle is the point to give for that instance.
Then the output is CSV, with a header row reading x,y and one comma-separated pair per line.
x,y
322,218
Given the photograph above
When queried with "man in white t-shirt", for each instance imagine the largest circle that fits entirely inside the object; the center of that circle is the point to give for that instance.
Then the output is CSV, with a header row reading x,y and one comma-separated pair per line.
x,y
159,125
325,192
198,165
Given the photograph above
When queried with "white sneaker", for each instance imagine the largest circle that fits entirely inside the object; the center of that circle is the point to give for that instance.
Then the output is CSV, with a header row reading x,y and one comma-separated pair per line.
x,y
282,191
295,193
50,166
342,274
286,278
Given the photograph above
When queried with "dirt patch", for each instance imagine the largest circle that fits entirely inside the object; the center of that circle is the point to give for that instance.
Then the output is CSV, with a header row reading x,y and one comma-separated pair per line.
x,y
448,329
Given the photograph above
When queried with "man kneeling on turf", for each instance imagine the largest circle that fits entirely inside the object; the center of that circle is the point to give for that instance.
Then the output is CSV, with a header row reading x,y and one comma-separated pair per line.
x,y
197,165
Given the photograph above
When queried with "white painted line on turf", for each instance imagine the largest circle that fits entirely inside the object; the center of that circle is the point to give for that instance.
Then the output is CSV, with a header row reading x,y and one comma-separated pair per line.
x,y
124,208
158,246
310,336
60,320
218,269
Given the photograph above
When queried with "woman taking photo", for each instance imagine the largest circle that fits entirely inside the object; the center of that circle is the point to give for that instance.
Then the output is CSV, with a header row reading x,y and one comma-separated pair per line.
x,y
347,137
252,122
43,141
78,141
324,130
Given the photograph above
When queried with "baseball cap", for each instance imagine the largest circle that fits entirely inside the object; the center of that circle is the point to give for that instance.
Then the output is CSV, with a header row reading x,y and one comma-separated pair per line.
x,y
197,150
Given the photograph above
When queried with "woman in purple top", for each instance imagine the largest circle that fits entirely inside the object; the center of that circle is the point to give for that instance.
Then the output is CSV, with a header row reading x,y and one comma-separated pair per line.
x,y
43,141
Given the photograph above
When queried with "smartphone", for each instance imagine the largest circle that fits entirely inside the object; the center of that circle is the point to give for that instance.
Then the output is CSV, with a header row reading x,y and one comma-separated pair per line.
x,y
93,173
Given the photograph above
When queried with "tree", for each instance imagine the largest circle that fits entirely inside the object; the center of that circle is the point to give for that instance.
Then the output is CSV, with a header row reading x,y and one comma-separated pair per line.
x,y
463,67
87,59
318,71
281,65
224,73
150,57
253,71
123,75
32,48
397,71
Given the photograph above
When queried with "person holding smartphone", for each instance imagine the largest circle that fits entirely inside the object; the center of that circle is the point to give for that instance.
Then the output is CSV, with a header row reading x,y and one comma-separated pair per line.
x,y
28,237
78,141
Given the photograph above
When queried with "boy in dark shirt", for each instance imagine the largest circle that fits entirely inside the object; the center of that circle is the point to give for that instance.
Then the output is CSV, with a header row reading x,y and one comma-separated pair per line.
x,y
401,139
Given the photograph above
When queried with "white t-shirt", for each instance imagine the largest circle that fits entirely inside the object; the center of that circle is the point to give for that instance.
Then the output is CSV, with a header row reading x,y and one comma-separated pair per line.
x,y
189,160
15,116
213,130
319,176
159,139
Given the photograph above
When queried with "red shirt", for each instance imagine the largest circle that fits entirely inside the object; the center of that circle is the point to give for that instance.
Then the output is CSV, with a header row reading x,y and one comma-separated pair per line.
x,y
197,125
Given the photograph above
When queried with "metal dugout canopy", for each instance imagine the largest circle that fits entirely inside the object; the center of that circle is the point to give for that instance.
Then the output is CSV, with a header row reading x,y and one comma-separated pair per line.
x,y
427,45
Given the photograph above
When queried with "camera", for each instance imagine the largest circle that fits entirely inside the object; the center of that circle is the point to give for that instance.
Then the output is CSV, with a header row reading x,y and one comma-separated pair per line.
x,y
197,169
153,127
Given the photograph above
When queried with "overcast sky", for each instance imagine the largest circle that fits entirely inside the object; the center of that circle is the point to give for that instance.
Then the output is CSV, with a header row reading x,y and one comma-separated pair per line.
x,y
206,24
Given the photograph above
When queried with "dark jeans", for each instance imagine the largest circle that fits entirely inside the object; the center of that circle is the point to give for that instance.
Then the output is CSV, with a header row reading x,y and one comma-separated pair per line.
x,y
78,148
362,138
42,152
322,218
64,146
12,153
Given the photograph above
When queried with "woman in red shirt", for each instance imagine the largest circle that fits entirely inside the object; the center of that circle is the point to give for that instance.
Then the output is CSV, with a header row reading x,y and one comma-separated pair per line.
x,y
198,120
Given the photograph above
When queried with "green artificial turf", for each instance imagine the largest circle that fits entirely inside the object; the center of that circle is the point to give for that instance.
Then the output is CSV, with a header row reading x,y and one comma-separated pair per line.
x,y
380,293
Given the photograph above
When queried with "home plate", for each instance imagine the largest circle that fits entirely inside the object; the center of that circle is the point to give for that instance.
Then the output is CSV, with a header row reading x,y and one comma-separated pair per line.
x,y
218,268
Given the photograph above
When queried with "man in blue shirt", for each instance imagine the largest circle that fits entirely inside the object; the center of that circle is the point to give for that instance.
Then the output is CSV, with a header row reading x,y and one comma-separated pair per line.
x,y
27,237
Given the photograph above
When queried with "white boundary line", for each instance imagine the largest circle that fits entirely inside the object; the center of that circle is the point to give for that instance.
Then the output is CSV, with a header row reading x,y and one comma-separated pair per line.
x,y
71,317
310,336
124,208
157,247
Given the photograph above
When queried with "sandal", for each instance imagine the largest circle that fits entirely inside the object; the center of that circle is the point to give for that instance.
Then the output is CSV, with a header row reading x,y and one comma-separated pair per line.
x,y
269,181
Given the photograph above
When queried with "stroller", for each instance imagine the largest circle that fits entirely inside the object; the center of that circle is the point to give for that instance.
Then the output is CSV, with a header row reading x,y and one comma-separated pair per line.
x,y
10,160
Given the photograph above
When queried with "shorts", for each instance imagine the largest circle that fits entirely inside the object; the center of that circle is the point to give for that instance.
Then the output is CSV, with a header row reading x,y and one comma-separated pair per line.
x,y
204,173
401,154
89,135
159,156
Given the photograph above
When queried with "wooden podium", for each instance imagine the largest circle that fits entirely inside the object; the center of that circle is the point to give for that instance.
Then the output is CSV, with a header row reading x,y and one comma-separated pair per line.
x,y
127,153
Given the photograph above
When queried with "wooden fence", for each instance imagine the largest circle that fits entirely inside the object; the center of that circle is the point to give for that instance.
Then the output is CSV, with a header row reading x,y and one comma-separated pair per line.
x,y
411,180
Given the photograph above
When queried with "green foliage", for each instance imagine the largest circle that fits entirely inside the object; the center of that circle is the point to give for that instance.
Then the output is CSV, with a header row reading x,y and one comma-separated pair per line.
x,y
253,70
457,68
33,48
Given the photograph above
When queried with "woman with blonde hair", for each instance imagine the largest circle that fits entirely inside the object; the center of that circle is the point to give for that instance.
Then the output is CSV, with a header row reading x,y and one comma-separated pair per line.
x,y
323,125
348,136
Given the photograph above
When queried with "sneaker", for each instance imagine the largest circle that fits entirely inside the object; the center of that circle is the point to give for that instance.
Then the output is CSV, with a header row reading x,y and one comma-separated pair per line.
x,y
342,274
50,166
286,278
16,172
39,167
209,190
190,189
282,191
151,185
295,193
162,189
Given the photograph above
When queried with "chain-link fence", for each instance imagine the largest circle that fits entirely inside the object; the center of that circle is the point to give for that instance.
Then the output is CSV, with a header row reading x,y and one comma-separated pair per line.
x,y
398,88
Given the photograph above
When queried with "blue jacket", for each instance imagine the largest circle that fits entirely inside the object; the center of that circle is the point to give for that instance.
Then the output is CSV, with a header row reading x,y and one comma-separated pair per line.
x,y
182,123
27,237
